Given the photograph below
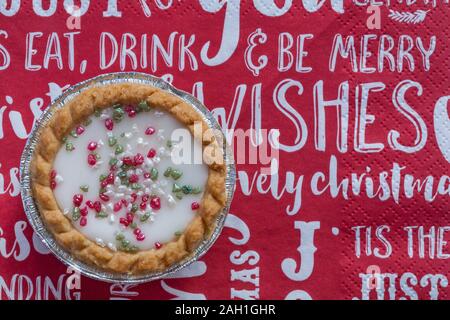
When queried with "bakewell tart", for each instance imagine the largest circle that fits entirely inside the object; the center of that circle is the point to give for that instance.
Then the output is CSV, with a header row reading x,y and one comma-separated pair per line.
x,y
117,190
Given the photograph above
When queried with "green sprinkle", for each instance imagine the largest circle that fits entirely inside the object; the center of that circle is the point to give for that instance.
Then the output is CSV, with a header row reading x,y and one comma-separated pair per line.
x,y
134,207
196,190
102,177
69,146
97,112
138,109
187,189
117,106
76,214
97,156
112,141
124,244
154,174
64,140
122,174
74,134
133,225
179,195
84,188
143,106
133,249
169,143
119,149
176,188
87,122
102,190
113,161
145,217
118,114
168,172
176,174
122,134
136,186
101,214
178,233
120,237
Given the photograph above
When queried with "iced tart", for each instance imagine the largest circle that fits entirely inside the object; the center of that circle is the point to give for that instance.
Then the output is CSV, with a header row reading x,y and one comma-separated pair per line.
x,y
129,178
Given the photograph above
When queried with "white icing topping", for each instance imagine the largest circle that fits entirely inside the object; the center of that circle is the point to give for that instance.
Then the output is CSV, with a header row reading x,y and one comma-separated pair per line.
x,y
76,177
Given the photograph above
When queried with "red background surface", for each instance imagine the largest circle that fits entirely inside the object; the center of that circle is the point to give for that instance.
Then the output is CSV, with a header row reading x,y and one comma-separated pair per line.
x,y
272,233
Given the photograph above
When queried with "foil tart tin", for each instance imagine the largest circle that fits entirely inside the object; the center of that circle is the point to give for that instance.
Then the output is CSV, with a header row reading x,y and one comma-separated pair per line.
x,y
32,211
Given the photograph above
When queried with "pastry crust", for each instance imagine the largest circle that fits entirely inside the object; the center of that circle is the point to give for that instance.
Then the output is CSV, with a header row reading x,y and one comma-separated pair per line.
x,y
76,111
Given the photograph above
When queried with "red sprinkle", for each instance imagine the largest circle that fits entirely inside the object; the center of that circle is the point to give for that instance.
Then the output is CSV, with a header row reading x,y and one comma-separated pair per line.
x,y
137,231
155,203
143,205
149,131
110,178
97,206
195,205
92,159
90,204
145,198
109,124
147,175
117,206
151,153
53,174
133,197
84,211
53,184
104,183
128,108
140,237
77,200
124,222
83,221
79,130
92,146
138,159
104,197
158,245
127,161
130,217
132,113
124,202
133,178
